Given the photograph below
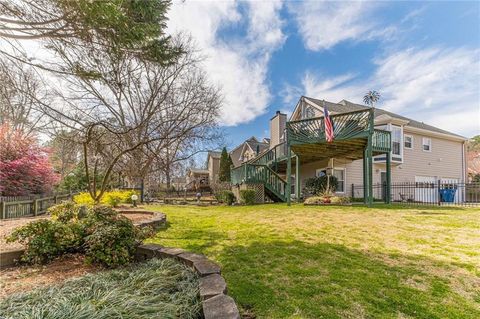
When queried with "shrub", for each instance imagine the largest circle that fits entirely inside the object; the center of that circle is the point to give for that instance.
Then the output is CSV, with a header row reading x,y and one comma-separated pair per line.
x,y
247,196
105,236
317,185
111,242
112,198
316,200
67,211
225,196
46,239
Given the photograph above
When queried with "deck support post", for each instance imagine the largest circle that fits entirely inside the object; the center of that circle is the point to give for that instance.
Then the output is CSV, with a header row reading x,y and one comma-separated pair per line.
x,y
365,174
370,172
370,157
289,174
297,178
388,167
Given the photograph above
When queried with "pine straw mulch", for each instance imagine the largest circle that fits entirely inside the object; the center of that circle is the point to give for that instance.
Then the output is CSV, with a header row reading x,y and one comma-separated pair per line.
x,y
25,278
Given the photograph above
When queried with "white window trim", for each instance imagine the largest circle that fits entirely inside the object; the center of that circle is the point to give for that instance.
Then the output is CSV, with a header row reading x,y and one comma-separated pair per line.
x,y
423,144
404,139
402,145
401,141
344,169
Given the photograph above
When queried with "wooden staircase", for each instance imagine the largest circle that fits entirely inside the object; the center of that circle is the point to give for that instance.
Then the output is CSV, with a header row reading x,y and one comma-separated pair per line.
x,y
249,173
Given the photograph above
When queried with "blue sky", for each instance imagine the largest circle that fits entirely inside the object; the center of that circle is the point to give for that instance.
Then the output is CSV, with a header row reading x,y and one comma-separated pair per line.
x,y
423,57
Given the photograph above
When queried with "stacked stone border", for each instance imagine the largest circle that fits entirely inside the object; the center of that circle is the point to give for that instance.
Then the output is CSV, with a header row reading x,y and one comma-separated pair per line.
x,y
9,258
216,304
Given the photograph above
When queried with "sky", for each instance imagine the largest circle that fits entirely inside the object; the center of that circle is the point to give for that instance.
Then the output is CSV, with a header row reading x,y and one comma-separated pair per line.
x,y
423,58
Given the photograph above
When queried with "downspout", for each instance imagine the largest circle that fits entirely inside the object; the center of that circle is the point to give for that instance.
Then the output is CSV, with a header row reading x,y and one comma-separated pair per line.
x,y
464,166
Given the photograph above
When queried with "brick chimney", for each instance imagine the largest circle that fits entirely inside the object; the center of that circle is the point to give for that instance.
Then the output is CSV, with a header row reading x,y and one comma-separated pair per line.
x,y
277,128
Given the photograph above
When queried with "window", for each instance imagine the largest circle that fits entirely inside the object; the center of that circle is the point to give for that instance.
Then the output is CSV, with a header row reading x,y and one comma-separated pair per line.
x,y
427,144
339,173
396,140
408,141
308,112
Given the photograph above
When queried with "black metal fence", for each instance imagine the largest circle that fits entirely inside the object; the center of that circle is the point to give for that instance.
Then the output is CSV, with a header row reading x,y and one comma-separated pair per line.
x,y
438,193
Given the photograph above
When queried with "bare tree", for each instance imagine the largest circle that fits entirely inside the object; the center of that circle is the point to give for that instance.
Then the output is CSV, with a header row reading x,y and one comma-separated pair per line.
x,y
20,90
127,109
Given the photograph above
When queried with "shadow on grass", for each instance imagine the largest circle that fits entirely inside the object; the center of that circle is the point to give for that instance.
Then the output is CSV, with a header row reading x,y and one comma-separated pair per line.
x,y
399,206
283,279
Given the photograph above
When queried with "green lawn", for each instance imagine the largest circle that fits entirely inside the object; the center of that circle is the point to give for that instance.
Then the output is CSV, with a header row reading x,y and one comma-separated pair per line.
x,y
338,262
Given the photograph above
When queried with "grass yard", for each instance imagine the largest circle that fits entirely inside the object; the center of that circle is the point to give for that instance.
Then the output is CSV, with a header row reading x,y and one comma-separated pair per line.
x,y
338,262
154,289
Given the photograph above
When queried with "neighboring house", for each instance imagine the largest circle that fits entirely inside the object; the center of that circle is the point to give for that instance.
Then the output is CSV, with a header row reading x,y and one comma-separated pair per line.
x,y
197,179
248,150
420,153
213,166
179,183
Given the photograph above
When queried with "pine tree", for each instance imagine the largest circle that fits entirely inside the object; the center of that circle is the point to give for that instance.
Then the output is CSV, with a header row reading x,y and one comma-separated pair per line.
x,y
225,164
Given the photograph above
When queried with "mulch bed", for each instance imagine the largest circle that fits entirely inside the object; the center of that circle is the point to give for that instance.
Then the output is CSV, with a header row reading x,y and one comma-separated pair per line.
x,y
25,278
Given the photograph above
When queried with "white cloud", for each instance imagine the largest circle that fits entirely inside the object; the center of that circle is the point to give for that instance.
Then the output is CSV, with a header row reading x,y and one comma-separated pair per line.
x,y
323,24
238,65
438,86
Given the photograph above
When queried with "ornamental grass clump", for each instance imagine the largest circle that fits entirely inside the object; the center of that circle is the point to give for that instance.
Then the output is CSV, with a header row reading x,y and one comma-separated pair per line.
x,y
154,289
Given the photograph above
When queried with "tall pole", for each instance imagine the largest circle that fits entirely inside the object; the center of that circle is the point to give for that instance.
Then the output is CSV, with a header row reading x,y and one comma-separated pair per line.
x,y
365,174
370,159
289,174
389,178
297,178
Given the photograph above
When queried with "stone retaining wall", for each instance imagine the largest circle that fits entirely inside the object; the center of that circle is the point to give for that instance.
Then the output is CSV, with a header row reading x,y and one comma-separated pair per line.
x,y
216,304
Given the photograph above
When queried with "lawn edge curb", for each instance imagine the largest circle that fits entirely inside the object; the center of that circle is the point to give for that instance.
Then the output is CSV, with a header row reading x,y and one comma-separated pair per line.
x,y
216,304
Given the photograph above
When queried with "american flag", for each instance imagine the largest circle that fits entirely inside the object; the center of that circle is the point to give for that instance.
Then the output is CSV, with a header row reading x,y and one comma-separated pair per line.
x,y
328,126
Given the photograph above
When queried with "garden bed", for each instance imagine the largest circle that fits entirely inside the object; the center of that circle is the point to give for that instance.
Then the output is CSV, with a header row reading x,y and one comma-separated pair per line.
x,y
8,225
26,278
157,288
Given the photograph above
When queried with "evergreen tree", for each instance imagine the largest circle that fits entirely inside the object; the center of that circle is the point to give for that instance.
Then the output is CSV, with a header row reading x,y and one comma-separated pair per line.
x,y
225,164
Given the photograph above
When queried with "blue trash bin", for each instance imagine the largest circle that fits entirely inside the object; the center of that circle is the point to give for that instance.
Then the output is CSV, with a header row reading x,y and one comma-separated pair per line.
x,y
447,195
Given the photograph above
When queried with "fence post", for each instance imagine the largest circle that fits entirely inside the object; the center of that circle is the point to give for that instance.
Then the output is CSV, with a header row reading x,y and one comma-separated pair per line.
x,y
35,207
2,209
438,193
353,191
55,199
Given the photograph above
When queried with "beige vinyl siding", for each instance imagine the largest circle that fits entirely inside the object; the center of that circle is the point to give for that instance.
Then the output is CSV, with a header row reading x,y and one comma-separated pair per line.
x,y
444,161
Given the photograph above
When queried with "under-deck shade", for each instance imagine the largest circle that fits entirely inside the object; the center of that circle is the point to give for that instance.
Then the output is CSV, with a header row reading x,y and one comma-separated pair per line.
x,y
351,131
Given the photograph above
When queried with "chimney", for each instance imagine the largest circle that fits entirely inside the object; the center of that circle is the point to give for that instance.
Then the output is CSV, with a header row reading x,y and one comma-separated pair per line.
x,y
277,129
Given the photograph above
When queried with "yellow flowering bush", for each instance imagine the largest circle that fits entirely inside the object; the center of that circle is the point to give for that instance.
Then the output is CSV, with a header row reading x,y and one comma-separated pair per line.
x,y
111,198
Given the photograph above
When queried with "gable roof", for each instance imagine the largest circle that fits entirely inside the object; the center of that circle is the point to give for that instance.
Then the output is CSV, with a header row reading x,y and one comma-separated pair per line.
x,y
346,106
250,143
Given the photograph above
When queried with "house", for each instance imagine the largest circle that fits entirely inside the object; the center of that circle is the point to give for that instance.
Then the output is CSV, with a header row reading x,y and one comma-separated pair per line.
x,y
371,147
248,150
197,179
213,166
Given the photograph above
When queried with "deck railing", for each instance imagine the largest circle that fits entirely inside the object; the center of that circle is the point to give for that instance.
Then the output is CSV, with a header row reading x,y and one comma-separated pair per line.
x,y
275,154
259,173
345,126
381,141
